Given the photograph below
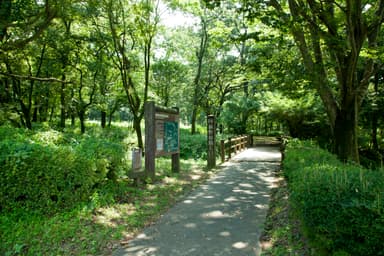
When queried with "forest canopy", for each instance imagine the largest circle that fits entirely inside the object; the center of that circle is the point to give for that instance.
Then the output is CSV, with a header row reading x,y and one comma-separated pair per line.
x,y
301,68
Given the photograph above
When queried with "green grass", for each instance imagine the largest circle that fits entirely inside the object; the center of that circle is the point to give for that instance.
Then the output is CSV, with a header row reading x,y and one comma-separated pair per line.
x,y
113,210
114,213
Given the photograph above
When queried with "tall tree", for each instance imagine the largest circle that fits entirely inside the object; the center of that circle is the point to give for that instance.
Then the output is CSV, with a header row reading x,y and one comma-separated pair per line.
x,y
21,24
331,36
131,25
200,54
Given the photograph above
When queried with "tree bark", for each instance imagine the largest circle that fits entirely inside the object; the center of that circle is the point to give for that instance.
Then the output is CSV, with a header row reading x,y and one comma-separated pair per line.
x,y
27,115
137,128
62,104
193,119
196,82
343,41
345,134
81,113
103,119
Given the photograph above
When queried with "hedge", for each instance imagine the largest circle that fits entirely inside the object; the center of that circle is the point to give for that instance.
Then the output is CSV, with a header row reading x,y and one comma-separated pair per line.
x,y
341,206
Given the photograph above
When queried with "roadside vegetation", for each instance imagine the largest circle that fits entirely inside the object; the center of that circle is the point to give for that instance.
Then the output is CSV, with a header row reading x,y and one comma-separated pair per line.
x,y
71,194
326,205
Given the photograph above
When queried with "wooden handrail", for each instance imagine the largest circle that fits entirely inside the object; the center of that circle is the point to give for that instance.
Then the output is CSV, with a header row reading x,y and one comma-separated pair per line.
x,y
233,145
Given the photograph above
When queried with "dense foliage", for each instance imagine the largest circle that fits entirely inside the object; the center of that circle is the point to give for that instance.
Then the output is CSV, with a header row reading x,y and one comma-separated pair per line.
x,y
46,170
341,206
193,146
114,212
237,60
58,187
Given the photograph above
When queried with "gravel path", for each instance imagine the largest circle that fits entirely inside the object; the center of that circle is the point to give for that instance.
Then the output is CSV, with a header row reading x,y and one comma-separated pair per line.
x,y
224,216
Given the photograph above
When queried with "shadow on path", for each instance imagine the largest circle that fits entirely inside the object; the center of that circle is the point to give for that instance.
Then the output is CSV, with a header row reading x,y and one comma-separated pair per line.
x,y
225,216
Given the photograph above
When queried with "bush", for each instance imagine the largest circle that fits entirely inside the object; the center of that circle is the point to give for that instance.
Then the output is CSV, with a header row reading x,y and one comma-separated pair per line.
x,y
47,171
193,146
341,206
107,157
40,177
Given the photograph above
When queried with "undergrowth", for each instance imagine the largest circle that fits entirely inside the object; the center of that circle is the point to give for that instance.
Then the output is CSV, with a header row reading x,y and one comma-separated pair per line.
x,y
63,193
111,216
281,235
340,206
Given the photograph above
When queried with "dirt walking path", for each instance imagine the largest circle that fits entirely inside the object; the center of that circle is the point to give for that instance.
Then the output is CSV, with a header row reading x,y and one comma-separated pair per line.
x,y
224,216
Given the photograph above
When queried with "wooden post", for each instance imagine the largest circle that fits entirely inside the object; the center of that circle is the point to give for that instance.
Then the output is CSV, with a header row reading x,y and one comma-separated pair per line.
x,y
222,150
176,162
211,137
235,140
229,148
176,157
150,138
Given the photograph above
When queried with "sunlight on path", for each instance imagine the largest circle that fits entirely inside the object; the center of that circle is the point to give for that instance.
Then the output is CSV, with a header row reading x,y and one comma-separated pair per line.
x,y
224,216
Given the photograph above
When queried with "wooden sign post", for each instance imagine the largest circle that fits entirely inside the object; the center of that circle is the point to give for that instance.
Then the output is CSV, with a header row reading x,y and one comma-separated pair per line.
x,y
211,137
162,131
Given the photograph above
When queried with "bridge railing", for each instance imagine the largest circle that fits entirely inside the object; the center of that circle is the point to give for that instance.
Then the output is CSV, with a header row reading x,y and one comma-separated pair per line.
x,y
233,145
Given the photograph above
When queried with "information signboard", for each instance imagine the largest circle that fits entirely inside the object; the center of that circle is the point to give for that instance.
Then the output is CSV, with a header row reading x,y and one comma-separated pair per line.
x,y
162,136
167,133
171,137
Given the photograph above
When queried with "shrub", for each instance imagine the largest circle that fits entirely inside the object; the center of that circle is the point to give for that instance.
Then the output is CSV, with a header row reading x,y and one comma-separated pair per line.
x,y
39,177
341,206
193,146
47,171
107,157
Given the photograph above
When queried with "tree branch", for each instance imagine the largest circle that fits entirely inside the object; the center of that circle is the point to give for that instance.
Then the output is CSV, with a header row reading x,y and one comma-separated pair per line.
x,y
32,78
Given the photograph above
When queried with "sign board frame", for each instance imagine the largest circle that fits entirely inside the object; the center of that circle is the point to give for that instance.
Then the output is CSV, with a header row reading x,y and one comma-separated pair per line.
x,y
162,136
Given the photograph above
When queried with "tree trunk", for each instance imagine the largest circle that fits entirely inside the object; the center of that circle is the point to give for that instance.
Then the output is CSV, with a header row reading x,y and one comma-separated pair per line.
x,y
137,128
103,119
200,53
244,120
345,134
34,115
110,119
62,104
82,120
44,108
27,115
375,116
193,120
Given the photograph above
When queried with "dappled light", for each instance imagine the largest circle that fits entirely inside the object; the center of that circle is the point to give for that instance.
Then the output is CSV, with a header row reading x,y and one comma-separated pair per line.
x,y
258,154
113,110
240,245
226,212
216,214
111,216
